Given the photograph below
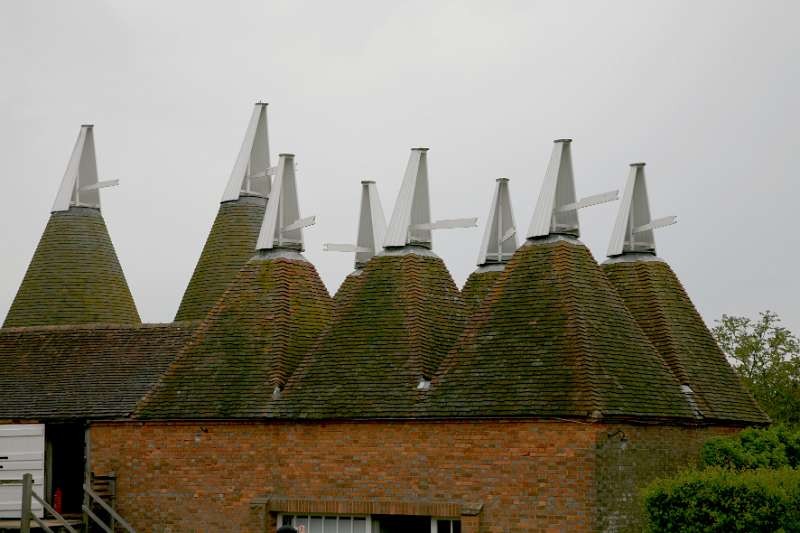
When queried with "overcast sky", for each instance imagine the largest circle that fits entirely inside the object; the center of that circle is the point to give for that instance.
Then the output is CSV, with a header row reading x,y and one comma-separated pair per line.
x,y
705,92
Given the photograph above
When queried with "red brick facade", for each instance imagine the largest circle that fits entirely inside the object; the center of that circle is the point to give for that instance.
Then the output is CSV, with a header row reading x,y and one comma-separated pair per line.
x,y
496,476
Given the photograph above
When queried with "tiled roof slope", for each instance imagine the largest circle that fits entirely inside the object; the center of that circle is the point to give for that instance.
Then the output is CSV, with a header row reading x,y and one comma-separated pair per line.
x,y
230,244
478,285
249,343
87,371
658,301
393,328
74,276
553,338
347,288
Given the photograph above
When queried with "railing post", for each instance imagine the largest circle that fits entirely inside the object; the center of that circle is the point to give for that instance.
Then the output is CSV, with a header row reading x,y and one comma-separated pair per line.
x,y
87,482
27,494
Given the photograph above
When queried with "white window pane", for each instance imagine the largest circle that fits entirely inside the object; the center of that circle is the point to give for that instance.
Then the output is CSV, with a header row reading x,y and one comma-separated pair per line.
x,y
301,521
345,524
330,524
359,525
316,525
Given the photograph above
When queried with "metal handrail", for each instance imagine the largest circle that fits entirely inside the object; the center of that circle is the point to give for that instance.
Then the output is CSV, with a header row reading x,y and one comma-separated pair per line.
x,y
107,508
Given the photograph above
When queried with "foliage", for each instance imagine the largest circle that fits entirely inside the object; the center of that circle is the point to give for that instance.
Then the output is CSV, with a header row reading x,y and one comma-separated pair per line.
x,y
722,500
767,357
754,448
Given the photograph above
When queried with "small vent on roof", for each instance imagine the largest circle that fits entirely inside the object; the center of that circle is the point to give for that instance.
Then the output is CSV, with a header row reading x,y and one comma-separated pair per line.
x,y
689,394
424,384
276,393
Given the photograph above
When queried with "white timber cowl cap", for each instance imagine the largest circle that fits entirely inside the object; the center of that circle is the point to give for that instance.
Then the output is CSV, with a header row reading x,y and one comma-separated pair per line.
x,y
633,230
371,227
80,186
556,211
252,172
411,224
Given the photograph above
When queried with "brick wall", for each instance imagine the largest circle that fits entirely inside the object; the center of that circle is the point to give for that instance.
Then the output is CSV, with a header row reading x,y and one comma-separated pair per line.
x,y
496,476
629,457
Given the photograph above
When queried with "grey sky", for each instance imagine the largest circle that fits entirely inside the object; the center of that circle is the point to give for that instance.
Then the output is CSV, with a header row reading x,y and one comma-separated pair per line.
x,y
705,92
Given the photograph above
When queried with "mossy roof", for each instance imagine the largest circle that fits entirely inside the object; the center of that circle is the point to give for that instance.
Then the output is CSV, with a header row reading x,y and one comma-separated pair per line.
x,y
398,320
658,301
85,371
230,244
249,343
74,276
477,286
553,338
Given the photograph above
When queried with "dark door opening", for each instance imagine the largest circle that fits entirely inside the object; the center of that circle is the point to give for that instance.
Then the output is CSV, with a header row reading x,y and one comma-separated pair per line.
x,y
65,465
403,524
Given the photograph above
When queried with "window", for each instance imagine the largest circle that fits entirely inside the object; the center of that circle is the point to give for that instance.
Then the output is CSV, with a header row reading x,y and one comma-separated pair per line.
x,y
445,525
327,524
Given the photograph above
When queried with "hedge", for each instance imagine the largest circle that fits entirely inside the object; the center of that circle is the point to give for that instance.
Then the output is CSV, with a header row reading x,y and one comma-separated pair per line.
x,y
722,500
754,448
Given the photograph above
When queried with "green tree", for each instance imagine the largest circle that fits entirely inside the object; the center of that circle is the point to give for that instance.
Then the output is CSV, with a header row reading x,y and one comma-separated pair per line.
x,y
767,357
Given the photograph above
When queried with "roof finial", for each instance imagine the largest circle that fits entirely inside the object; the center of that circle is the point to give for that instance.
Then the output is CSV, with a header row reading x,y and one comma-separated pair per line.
x,y
283,227
633,231
371,227
80,187
411,219
500,236
557,208
252,171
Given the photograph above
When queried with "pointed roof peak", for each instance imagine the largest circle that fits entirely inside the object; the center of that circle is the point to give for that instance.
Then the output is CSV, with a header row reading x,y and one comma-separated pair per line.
x,y
557,208
500,235
80,186
282,226
371,227
633,230
251,172
411,223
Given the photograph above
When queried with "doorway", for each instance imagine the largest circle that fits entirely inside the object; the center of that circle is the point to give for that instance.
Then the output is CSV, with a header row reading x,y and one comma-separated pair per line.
x,y
65,465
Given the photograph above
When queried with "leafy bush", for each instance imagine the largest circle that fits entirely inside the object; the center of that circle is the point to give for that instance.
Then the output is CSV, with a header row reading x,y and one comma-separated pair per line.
x,y
721,500
754,448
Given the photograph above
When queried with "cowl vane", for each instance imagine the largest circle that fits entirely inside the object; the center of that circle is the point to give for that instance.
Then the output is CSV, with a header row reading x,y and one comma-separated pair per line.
x,y
411,219
283,227
80,187
633,231
251,172
557,208
371,227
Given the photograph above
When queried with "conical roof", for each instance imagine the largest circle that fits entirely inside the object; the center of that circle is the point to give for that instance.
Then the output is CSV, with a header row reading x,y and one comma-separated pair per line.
x,y
255,335
661,306
232,239
75,276
553,338
249,343
388,334
229,246
659,303
393,322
